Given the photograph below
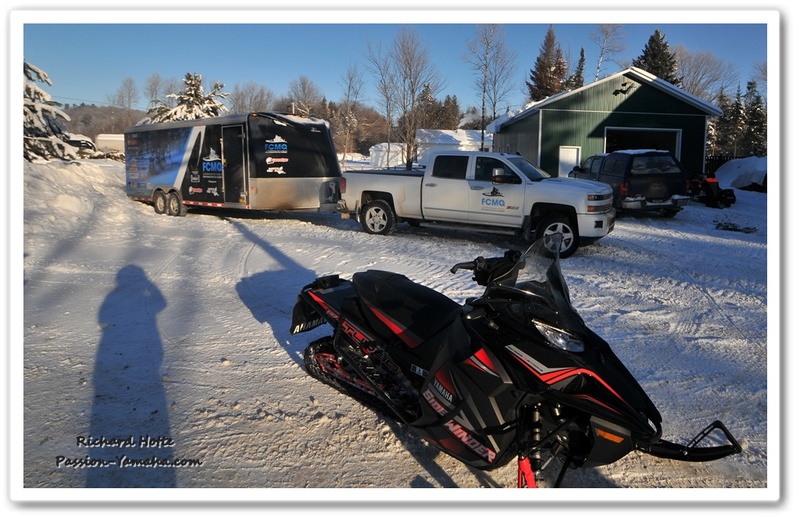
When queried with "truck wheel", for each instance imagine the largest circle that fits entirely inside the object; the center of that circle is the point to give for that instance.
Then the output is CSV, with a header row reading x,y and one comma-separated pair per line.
x,y
377,217
160,202
559,223
175,205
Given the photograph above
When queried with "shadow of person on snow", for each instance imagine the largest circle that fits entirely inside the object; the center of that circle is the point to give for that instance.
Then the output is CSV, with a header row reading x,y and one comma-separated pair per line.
x,y
129,438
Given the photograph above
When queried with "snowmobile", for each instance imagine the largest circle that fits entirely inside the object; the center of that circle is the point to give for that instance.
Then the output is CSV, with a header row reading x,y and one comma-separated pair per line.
x,y
514,373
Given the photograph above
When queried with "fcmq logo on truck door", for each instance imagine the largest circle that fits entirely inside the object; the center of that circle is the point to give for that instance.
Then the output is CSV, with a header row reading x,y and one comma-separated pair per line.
x,y
493,201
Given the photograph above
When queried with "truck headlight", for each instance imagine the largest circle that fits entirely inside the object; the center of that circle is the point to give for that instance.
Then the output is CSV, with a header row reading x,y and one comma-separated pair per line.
x,y
559,338
598,203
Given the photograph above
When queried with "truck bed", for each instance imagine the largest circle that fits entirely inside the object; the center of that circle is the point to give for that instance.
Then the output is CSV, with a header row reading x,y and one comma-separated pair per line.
x,y
390,171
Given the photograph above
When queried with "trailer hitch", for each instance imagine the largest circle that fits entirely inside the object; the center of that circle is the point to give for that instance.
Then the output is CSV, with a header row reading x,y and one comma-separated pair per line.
x,y
692,451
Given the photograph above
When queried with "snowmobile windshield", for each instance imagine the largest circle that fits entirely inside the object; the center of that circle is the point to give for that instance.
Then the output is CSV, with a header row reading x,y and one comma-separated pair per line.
x,y
537,281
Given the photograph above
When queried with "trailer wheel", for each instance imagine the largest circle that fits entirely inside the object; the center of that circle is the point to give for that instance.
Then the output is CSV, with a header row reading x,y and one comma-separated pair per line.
x,y
175,205
559,223
160,202
378,218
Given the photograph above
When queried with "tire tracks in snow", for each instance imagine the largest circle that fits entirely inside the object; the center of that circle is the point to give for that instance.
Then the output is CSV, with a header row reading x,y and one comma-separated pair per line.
x,y
683,275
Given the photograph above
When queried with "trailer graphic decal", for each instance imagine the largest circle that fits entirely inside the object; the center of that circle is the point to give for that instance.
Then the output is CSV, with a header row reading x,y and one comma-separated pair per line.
x,y
276,145
212,165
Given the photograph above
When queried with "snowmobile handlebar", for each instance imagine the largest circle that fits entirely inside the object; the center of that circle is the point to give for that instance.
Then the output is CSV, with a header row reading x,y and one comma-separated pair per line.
x,y
477,264
486,271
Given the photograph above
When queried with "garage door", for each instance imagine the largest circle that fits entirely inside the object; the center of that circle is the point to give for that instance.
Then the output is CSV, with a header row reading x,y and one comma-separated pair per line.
x,y
638,138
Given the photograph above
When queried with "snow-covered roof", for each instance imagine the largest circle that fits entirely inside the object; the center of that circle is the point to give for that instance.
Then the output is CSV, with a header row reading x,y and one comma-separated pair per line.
x,y
387,146
636,73
451,137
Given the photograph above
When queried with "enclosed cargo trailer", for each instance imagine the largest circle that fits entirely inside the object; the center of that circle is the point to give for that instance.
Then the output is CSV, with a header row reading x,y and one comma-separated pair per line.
x,y
257,161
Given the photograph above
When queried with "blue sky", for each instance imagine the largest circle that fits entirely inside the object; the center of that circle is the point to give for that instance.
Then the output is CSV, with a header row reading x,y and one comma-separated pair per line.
x,y
88,54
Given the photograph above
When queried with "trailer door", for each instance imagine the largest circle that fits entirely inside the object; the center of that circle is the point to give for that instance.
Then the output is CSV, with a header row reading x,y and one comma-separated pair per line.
x,y
233,161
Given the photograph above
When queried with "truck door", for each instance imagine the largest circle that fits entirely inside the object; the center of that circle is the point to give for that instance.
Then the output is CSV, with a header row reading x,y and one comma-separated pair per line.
x,y
233,161
495,203
445,191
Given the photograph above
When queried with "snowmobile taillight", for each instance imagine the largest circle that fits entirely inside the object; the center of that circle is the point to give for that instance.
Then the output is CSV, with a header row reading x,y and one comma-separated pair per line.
x,y
559,338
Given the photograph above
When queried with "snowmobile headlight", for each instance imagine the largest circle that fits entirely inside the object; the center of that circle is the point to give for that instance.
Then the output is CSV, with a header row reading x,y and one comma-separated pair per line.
x,y
559,338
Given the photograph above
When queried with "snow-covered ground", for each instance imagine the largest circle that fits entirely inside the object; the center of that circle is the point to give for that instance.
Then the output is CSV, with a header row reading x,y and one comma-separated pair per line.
x,y
136,324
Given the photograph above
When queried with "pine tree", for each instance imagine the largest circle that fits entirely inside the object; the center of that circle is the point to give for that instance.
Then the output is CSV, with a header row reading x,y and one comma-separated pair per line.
x,y
191,103
754,138
429,108
451,113
657,59
714,137
731,125
42,132
575,81
550,72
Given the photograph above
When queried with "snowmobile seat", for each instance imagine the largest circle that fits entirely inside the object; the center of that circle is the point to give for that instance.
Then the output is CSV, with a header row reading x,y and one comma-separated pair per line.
x,y
397,306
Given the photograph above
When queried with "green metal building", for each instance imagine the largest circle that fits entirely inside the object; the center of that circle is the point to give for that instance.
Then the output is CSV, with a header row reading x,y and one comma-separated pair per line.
x,y
629,110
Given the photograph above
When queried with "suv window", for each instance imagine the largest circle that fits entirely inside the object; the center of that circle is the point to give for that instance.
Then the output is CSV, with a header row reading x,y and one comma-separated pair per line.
x,y
615,166
594,165
450,167
654,165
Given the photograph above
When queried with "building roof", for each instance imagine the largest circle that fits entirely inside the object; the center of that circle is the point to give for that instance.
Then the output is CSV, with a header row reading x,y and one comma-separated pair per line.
x,y
640,75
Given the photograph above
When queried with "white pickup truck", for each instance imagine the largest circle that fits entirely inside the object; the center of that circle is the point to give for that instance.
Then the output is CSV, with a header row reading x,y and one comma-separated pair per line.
x,y
487,191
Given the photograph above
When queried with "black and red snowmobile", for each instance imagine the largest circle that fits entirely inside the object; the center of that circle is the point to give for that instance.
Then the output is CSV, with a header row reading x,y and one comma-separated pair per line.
x,y
514,373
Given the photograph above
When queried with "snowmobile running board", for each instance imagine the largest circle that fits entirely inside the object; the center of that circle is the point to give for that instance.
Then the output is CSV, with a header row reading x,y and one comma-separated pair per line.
x,y
691,451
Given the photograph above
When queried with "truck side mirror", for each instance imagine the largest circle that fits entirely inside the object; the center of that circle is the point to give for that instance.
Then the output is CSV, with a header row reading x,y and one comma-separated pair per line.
x,y
499,176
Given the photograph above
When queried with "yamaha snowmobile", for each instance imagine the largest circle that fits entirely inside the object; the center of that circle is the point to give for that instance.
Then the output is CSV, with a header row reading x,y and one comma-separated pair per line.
x,y
514,373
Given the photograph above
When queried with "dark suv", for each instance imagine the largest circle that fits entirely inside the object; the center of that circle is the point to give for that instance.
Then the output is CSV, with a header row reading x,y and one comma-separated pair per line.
x,y
641,179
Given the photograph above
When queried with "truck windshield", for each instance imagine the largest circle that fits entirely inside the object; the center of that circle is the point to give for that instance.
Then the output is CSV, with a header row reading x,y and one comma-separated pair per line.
x,y
527,168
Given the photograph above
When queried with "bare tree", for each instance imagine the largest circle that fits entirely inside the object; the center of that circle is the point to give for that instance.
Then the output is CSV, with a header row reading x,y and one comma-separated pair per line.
x,y
352,85
126,95
415,74
250,97
125,98
760,70
703,74
386,84
493,64
305,95
154,89
608,38
171,86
